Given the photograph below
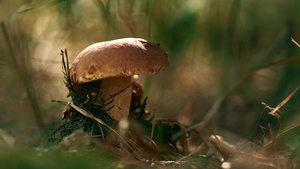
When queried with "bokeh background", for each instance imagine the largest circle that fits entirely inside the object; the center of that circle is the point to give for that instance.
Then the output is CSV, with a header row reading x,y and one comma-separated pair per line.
x,y
212,45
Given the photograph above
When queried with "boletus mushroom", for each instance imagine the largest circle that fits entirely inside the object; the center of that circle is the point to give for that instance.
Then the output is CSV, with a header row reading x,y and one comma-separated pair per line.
x,y
112,63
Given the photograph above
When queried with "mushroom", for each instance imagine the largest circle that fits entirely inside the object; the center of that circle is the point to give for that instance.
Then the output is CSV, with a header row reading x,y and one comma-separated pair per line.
x,y
114,62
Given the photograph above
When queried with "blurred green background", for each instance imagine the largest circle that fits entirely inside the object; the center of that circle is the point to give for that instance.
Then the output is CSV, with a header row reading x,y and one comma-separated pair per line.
x,y
211,44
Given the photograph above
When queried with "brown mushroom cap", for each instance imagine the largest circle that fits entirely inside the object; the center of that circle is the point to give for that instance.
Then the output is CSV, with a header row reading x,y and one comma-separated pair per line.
x,y
121,57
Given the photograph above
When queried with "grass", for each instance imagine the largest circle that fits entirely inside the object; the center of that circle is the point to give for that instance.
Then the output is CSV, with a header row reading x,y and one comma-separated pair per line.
x,y
226,57
29,158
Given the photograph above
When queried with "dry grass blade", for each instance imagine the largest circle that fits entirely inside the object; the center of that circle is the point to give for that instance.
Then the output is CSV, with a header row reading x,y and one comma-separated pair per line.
x,y
196,150
101,130
60,127
295,42
60,102
219,145
274,110
288,129
91,116
283,102
274,113
258,122
86,113
271,131
168,162
43,5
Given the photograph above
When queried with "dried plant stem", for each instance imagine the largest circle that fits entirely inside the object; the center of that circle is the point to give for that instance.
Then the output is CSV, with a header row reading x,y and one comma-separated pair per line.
x,y
28,88
199,148
91,116
274,142
295,42
101,130
273,112
153,122
220,147
257,124
288,129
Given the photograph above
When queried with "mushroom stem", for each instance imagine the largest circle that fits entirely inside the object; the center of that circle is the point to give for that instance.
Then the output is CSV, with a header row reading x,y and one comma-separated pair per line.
x,y
111,86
